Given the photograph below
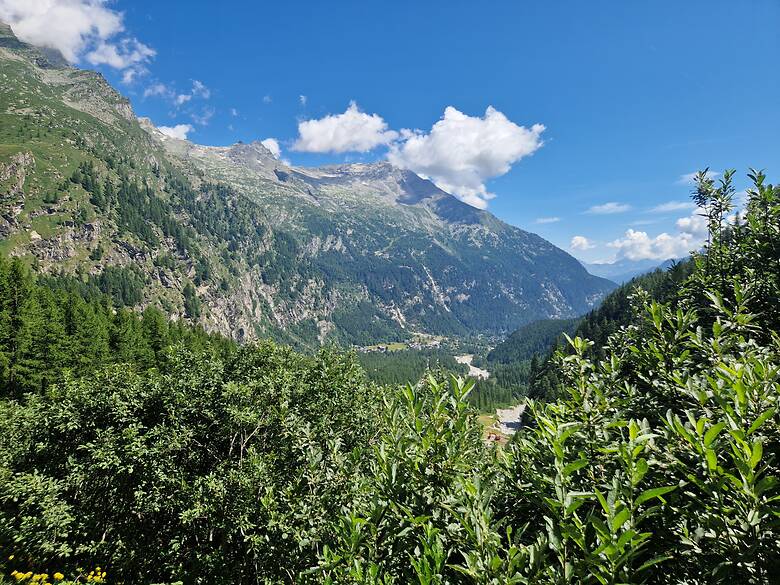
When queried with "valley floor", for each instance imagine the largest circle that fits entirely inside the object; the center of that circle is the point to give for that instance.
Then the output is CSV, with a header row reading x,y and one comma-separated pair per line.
x,y
474,371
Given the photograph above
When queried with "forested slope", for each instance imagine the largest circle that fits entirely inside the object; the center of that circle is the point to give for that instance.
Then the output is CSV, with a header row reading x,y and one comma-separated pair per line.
x,y
53,327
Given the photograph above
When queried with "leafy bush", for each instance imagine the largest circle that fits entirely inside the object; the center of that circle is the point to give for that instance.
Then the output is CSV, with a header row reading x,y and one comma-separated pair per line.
x,y
656,464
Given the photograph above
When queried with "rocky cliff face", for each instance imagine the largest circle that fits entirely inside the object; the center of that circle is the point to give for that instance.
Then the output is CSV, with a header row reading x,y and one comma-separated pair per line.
x,y
353,253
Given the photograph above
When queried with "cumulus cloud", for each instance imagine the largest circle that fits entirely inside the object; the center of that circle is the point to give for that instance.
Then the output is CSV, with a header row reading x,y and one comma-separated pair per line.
x,y
273,145
179,131
609,208
80,30
302,99
689,178
581,243
461,152
638,245
695,224
673,206
547,220
351,131
121,55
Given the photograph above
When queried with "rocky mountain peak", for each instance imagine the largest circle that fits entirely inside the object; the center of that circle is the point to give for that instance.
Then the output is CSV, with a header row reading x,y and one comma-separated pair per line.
x,y
44,57
251,154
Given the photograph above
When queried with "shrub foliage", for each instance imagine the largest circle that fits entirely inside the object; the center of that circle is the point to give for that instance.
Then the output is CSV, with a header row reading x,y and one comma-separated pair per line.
x,y
656,463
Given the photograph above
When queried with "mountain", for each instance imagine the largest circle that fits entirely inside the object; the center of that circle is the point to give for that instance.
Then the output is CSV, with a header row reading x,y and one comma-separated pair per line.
x,y
623,270
246,244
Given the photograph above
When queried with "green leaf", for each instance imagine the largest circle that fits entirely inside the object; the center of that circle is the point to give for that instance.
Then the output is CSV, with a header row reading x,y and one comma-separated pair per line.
x,y
575,466
765,416
712,433
620,519
653,493
712,459
654,561
757,453
640,471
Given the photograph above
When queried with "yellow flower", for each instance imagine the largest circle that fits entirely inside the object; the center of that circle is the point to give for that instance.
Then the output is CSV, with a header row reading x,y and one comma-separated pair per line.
x,y
10,558
58,576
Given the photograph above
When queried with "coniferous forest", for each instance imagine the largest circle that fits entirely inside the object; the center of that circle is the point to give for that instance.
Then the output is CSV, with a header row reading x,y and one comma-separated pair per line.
x,y
138,450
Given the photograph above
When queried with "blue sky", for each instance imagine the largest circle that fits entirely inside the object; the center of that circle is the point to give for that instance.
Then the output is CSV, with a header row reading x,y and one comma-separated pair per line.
x,y
631,95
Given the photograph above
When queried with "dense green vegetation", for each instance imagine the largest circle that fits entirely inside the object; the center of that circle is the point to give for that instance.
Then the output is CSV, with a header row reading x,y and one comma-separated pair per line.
x,y
513,361
60,327
160,453
655,464
618,311
531,340
398,367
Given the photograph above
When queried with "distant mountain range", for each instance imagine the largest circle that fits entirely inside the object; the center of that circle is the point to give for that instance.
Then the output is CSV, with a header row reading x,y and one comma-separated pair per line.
x,y
242,242
624,270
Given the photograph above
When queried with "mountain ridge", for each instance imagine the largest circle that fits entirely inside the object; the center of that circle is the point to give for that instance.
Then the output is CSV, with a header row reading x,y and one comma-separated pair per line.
x,y
248,245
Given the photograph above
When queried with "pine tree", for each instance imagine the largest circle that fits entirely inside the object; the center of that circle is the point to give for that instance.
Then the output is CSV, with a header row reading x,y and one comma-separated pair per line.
x,y
155,329
16,337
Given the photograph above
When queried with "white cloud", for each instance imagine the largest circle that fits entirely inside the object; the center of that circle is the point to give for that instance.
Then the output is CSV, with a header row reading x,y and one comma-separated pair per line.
x,y
689,178
273,145
179,131
695,225
233,112
157,89
198,90
204,117
120,55
609,208
267,99
581,243
462,152
637,245
673,206
79,29
351,131
303,99
547,219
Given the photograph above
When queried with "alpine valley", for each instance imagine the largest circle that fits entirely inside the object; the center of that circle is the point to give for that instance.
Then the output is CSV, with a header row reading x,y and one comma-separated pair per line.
x,y
245,244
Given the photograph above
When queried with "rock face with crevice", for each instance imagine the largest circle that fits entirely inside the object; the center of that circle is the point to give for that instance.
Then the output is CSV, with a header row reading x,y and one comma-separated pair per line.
x,y
354,253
